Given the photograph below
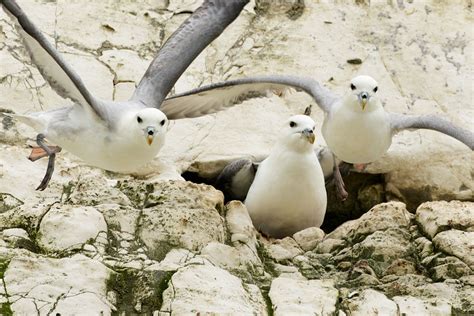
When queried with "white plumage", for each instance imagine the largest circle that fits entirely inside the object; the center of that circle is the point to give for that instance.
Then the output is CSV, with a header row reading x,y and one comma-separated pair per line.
x,y
288,192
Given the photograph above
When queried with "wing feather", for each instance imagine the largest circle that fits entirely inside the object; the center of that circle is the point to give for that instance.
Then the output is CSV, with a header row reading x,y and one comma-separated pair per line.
x,y
219,96
183,46
49,62
400,122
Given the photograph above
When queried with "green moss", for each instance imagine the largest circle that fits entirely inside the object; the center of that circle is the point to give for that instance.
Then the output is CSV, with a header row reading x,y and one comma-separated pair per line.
x,y
5,309
134,286
142,195
268,301
268,263
8,202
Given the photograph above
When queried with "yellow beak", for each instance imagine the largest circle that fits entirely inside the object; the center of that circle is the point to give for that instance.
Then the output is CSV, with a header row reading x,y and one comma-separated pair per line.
x,y
149,139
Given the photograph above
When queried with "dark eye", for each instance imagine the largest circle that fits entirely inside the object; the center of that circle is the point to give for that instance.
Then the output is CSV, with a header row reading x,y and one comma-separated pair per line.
x,y
292,124
162,122
375,89
139,119
352,86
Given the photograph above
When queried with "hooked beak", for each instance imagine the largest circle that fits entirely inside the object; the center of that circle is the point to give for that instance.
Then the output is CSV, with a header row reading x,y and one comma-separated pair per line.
x,y
150,134
308,133
363,99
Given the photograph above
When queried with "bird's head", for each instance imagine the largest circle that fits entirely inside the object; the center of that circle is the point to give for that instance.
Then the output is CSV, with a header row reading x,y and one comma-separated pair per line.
x,y
362,94
298,133
149,123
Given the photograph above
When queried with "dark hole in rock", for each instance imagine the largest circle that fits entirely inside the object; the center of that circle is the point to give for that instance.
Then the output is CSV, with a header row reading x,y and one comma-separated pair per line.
x,y
365,191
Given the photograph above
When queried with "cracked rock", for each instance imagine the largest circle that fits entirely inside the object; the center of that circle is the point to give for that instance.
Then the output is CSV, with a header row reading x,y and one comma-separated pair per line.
x,y
313,297
59,229
205,289
45,285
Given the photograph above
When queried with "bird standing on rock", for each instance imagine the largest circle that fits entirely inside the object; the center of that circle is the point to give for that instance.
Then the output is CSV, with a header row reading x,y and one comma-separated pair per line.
x,y
287,193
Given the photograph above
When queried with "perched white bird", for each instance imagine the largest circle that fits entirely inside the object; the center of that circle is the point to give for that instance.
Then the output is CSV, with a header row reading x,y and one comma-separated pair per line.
x,y
287,193
356,127
117,136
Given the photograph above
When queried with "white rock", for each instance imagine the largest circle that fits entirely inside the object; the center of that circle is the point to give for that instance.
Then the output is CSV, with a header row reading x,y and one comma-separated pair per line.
x,y
372,303
229,258
15,233
309,238
206,289
457,243
409,305
174,260
284,249
240,224
187,218
301,297
437,216
68,227
45,281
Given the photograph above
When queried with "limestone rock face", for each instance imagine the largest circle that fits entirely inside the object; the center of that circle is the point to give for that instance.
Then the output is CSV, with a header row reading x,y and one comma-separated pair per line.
x,y
208,289
65,286
316,297
151,243
59,229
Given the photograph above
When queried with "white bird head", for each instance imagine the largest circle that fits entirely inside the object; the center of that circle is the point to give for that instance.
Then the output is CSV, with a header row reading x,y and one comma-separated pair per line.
x,y
149,123
298,133
362,96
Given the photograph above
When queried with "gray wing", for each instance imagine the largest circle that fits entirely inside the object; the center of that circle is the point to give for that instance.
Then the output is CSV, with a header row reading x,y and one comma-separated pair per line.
x,y
183,46
49,62
219,96
236,178
400,122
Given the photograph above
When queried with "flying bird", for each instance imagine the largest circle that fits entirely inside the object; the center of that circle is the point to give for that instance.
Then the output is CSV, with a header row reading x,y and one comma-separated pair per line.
x,y
117,136
286,193
356,127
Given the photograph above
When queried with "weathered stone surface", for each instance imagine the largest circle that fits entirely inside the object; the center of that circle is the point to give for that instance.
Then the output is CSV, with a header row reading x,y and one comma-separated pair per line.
x,y
57,283
435,217
413,306
59,229
309,238
206,289
370,302
381,217
300,297
457,243
185,215
283,249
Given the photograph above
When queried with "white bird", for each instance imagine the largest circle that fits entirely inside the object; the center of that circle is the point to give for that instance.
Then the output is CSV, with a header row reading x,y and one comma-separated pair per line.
x,y
287,193
356,127
117,136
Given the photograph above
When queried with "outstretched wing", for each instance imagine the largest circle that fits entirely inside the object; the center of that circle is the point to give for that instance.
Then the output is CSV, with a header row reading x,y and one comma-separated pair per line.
x,y
183,46
49,62
219,96
400,122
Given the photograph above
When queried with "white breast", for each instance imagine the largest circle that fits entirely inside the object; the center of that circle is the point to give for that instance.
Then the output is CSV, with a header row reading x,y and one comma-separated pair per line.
x,y
287,195
96,145
357,137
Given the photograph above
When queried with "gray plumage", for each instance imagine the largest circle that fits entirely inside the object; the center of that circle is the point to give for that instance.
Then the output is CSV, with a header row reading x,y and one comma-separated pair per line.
x,y
218,96
236,178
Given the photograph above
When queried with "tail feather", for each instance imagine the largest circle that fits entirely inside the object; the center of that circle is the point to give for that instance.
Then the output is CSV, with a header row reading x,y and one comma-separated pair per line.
x,y
30,120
